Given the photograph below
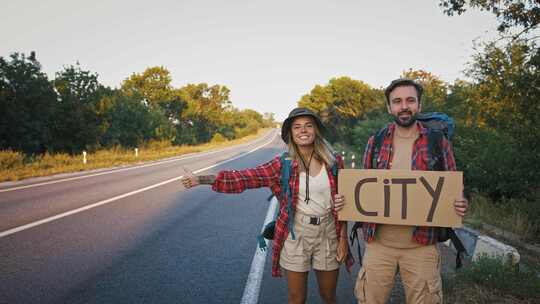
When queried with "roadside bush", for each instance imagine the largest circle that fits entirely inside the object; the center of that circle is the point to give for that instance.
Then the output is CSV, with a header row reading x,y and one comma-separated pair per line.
x,y
11,159
504,171
156,145
218,138
489,279
58,160
494,163
250,128
519,216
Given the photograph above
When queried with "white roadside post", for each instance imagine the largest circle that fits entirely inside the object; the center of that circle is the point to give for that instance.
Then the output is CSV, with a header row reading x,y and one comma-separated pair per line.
x,y
136,152
352,161
84,157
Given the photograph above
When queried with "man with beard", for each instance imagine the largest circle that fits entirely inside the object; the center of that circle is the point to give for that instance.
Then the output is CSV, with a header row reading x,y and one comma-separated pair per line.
x,y
390,248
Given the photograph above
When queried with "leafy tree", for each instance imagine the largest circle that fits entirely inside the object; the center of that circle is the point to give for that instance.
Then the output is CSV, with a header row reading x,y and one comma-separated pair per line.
x,y
130,122
435,90
341,104
507,97
76,123
367,127
154,86
497,139
462,106
511,14
508,86
76,112
269,120
27,104
204,114
246,122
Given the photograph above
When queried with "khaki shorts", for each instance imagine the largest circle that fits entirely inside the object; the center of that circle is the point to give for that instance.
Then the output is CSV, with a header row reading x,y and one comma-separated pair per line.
x,y
315,246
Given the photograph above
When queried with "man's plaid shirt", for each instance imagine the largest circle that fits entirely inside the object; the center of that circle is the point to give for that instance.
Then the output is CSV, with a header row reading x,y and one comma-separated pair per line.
x,y
269,175
421,235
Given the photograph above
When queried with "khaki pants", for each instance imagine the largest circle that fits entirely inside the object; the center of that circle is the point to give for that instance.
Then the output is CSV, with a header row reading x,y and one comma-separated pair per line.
x,y
419,269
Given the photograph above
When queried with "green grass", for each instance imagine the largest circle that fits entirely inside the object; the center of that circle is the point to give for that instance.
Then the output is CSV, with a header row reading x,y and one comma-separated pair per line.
x,y
519,217
15,166
489,280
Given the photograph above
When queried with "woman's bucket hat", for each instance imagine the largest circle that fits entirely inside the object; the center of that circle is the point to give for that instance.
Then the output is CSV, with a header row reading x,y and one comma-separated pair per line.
x,y
286,126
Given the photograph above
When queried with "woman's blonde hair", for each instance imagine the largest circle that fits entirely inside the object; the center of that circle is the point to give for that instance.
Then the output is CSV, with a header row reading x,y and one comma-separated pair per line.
x,y
322,150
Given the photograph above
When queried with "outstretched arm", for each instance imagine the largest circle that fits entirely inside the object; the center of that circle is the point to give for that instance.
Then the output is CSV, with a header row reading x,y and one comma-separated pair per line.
x,y
190,180
236,181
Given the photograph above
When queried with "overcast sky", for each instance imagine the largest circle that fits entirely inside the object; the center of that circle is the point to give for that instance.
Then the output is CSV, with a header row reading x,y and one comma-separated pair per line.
x,y
269,53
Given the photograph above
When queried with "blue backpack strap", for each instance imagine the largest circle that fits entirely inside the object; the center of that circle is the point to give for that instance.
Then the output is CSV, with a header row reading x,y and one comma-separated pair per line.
x,y
286,192
268,231
285,172
335,169
334,166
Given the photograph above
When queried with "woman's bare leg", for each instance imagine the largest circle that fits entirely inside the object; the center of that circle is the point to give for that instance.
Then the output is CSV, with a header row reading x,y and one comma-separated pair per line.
x,y
297,283
327,285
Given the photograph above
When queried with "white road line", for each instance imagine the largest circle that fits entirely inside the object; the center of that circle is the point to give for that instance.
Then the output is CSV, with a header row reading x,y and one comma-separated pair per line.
x,y
254,280
100,203
115,171
87,207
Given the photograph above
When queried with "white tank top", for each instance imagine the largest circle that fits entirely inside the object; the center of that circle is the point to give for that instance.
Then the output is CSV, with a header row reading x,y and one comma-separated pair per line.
x,y
320,196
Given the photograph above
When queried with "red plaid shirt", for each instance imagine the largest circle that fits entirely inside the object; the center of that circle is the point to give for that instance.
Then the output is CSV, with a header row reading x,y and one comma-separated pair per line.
x,y
421,235
269,175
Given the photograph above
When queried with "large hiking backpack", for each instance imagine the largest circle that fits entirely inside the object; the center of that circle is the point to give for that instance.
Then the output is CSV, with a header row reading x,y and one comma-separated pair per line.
x,y
286,169
438,121
440,126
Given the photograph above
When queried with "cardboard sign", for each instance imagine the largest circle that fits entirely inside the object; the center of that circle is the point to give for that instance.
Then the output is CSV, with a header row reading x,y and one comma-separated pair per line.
x,y
398,197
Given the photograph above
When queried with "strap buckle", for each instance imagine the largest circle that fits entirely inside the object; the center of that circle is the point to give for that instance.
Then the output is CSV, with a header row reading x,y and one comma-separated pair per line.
x,y
315,220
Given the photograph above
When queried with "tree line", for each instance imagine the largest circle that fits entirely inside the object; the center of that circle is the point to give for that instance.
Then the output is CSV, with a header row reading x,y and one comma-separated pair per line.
x,y
75,112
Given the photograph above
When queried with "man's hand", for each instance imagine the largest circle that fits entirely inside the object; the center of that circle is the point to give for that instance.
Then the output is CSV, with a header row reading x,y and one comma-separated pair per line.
x,y
461,205
339,202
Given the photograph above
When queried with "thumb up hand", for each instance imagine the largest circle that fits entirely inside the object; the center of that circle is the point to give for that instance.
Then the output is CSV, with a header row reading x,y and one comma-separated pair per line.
x,y
189,180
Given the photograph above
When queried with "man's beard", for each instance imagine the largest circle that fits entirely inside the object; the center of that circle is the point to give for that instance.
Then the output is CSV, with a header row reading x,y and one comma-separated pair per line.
x,y
409,122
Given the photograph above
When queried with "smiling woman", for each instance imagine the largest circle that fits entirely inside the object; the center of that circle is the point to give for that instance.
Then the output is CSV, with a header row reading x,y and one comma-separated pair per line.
x,y
307,234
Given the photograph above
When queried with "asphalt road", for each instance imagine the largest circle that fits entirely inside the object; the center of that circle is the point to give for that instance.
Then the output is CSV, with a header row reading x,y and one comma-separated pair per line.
x,y
119,236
